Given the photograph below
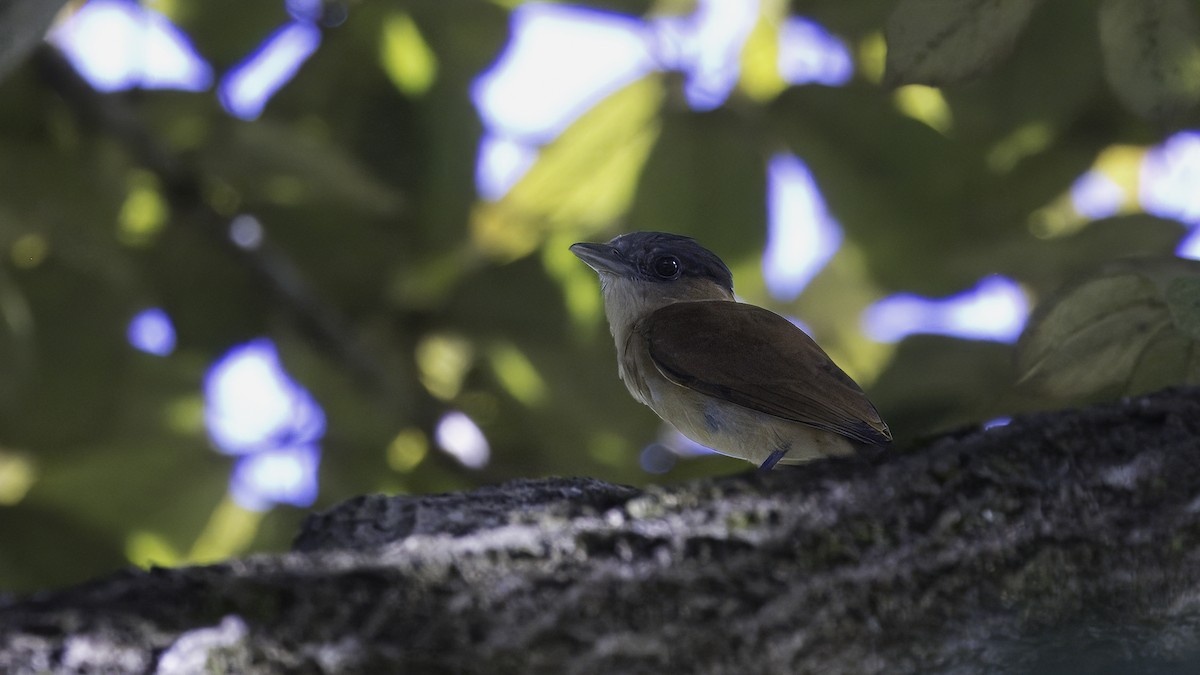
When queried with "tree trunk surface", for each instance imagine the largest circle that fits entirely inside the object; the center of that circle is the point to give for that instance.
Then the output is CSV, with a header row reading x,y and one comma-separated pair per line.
x,y
1062,542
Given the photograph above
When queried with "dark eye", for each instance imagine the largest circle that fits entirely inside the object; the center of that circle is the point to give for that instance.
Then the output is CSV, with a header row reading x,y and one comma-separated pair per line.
x,y
667,267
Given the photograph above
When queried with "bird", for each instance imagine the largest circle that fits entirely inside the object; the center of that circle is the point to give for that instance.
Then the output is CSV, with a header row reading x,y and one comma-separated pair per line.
x,y
729,375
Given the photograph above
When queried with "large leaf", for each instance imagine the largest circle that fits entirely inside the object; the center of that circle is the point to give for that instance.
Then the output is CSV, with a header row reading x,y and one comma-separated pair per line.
x,y
703,179
901,190
1032,124
1028,113
1171,357
1183,300
279,163
583,181
940,42
1048,265
1096,337
446,125
1152,55
421,147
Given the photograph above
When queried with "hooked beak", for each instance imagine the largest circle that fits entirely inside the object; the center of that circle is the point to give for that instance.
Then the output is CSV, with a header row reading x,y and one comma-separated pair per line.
x,y
603,258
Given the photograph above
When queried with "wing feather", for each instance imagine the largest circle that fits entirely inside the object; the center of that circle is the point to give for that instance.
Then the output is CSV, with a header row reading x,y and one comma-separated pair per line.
x,y
759,360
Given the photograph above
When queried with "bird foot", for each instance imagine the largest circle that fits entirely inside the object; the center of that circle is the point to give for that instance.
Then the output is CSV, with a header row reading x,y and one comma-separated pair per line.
x,y
771,460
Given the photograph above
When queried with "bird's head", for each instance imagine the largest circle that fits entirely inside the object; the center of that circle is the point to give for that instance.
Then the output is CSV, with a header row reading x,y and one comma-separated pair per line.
x,y
669,261
642,271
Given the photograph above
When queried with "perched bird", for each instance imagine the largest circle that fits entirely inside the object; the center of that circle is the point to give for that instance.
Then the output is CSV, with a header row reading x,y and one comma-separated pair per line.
x,y
735,377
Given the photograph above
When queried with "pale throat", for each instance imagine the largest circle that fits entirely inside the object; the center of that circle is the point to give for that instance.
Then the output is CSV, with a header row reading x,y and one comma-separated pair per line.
x,y
627,301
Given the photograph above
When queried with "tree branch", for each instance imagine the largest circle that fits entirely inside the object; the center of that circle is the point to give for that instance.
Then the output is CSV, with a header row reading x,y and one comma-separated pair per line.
x,y
1064,541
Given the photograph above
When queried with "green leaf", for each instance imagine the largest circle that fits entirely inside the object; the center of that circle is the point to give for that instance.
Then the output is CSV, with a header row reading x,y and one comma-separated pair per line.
x,y
1183,299
1045,85
583,181
1152,55
288,165
940,42
1097,336
406,57
1092,337
912,231
703,179
1170,358
1051,264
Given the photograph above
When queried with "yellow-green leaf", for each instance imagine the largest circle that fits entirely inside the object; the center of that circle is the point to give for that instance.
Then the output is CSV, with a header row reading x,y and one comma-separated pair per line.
x,y
406,57
584,180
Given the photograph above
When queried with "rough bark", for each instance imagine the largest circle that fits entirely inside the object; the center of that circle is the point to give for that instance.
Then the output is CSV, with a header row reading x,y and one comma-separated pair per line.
x,y
1063,542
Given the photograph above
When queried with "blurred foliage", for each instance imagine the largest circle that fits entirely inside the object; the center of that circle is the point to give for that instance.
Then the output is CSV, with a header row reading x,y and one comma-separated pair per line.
x,y
395,294
22,24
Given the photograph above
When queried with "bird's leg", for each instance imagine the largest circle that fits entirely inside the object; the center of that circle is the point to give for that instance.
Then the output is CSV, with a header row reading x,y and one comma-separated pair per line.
x,y
772,459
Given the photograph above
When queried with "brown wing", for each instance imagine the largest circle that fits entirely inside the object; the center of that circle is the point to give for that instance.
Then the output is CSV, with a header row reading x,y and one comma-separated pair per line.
x,y
759,360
